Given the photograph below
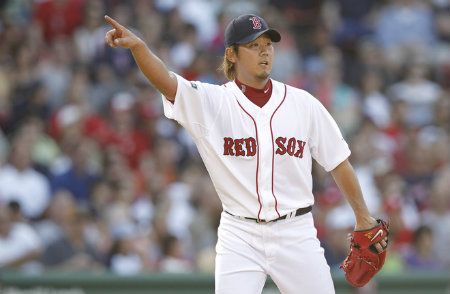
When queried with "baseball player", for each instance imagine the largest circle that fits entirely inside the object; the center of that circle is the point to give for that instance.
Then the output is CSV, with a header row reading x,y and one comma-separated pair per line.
x,y
257,138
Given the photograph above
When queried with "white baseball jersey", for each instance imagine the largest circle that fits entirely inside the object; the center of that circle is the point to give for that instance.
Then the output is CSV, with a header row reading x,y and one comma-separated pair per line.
x,y
259,158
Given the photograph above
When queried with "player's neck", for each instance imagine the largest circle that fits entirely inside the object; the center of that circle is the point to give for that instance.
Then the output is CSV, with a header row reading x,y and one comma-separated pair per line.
x,y
255,83
252,91
258,96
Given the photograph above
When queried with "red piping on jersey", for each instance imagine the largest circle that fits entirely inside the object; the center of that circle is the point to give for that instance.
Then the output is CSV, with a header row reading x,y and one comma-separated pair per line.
x,y
273,151
257,159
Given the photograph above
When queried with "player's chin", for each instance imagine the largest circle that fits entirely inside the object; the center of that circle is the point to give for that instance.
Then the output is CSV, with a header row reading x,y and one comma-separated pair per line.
x,y
264,74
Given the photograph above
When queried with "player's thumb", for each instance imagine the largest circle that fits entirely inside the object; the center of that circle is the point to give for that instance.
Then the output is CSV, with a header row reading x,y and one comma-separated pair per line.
x,y
123,42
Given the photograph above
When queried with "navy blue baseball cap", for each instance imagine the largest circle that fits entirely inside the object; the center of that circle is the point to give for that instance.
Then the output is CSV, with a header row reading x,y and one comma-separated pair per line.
x,y
246,28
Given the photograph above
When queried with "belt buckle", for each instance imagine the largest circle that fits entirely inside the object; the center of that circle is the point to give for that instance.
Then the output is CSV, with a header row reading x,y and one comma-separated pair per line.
x,y
261,221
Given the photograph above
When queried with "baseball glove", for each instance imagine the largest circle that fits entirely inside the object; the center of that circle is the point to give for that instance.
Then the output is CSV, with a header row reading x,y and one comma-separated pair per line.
x,y
364,261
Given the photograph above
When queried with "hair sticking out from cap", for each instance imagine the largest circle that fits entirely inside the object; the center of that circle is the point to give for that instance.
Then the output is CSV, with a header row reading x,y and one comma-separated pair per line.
x,y
227,67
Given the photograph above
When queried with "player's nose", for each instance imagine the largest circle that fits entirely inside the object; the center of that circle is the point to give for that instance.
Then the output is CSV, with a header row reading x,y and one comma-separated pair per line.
x,y
264,51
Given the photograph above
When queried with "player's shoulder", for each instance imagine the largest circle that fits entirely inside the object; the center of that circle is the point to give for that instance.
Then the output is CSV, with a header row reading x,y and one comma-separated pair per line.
x,y
228,85
297,94
213,87
198,85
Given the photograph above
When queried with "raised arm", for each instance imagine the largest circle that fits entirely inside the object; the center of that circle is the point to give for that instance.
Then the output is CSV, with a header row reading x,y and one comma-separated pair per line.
x,y
346,180
150,65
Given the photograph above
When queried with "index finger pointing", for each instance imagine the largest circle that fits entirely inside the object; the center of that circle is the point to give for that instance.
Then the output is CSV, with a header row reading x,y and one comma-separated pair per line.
x,y
113,22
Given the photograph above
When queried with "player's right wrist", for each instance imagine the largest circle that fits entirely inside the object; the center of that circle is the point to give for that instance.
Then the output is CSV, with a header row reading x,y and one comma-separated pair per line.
x,y
365,223
138,45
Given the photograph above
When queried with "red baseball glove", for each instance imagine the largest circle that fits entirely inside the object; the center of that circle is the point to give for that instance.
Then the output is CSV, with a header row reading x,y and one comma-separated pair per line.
x,y
364,261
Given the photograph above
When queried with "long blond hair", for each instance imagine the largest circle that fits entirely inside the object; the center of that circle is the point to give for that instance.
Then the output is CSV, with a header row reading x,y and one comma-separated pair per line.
x,y
227,67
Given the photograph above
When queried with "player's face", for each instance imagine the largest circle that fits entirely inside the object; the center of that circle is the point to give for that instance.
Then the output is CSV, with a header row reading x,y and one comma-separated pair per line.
x,y
254,60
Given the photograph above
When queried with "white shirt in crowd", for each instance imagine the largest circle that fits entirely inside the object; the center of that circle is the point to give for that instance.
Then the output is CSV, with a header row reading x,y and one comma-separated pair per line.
x,y
28,187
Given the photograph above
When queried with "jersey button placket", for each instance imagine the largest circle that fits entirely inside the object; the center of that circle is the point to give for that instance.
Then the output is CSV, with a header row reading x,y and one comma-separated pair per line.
x,y
265,171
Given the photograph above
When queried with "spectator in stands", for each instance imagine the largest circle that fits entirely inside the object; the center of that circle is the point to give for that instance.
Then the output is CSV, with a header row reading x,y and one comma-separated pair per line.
x,y
404,29
59,17
44,149
419,170
104,87
418,92
52,71
128,256
421,254
442,112
20,182
20,246
71,252
340,98
60,212
80,177
123,133
437,216
174,259
401,211
375,104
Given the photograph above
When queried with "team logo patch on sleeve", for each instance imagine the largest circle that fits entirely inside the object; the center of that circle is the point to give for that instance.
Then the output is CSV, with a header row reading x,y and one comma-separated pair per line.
x,y
194,85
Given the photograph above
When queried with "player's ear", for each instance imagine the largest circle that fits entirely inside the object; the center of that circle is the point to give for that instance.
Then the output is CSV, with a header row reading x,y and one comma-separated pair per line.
x,y
230,54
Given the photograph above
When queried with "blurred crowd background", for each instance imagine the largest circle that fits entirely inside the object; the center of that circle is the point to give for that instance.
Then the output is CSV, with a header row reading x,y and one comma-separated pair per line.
x,y
93,177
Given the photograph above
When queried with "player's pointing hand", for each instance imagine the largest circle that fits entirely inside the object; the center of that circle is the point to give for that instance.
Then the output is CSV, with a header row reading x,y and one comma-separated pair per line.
x,y
120,36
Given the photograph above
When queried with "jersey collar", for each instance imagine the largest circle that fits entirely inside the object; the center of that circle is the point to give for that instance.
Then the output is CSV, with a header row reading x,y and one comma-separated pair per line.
x,y
278,94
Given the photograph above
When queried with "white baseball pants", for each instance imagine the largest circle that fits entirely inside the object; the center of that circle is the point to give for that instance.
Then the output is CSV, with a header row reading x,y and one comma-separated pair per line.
x,y
287,250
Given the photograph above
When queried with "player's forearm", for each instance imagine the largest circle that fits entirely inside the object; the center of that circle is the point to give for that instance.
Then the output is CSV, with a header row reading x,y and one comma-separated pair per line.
x,y
346,180
155,70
